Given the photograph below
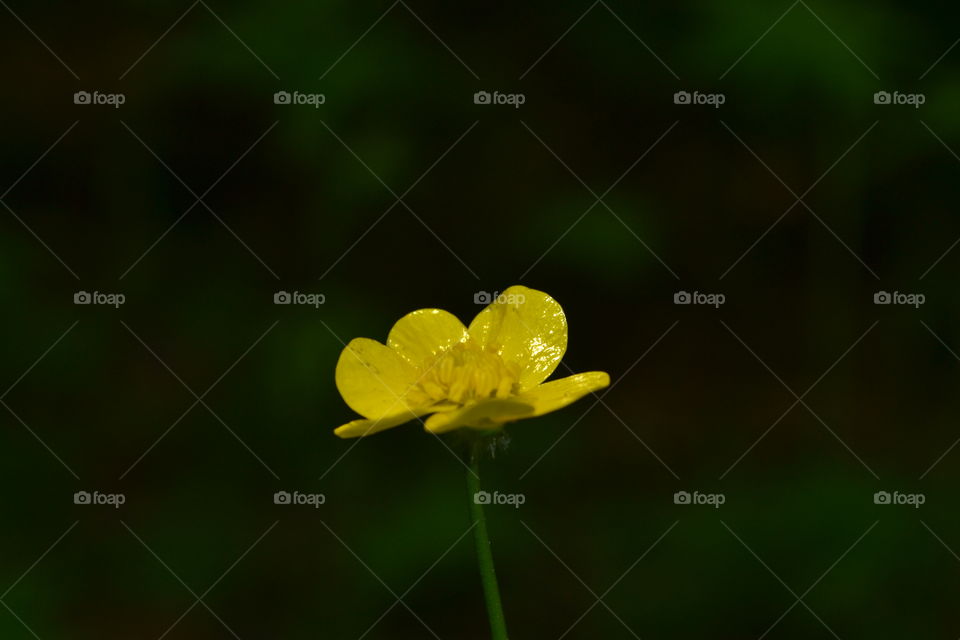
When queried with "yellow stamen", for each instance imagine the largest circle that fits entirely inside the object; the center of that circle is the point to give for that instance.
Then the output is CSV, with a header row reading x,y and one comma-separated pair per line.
x,y
463,373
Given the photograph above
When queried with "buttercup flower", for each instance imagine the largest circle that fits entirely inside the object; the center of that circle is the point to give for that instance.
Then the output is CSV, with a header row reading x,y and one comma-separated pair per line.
x,y
478,377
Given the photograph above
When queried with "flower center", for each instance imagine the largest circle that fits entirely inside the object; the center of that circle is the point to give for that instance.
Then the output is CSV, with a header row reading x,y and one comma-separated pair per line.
x,y
466,372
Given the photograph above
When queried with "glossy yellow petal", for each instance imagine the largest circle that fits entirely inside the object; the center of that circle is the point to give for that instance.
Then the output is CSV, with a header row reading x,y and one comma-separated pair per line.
x,y
525,326
485,414
559,393
424,333
359,428
373,379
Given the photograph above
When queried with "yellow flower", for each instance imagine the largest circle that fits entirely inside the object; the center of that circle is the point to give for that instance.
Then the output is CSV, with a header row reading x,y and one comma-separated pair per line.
x,y
479,377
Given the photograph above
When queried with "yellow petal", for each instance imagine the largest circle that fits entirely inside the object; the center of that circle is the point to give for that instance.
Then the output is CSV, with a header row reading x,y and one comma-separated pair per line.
x,y
559,393
359,428
525,326
485,414
424,333
373,379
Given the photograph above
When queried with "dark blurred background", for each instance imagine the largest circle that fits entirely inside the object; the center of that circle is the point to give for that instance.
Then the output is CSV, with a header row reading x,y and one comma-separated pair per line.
x,y
200,197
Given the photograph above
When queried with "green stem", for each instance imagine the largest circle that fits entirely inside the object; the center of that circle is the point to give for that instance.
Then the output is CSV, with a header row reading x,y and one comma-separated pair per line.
x,y
488,576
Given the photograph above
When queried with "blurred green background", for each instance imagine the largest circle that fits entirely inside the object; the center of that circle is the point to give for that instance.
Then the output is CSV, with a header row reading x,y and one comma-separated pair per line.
x,y
297,198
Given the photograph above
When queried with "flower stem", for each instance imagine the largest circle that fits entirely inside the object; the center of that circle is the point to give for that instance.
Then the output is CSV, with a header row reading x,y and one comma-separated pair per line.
x,y
488,576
